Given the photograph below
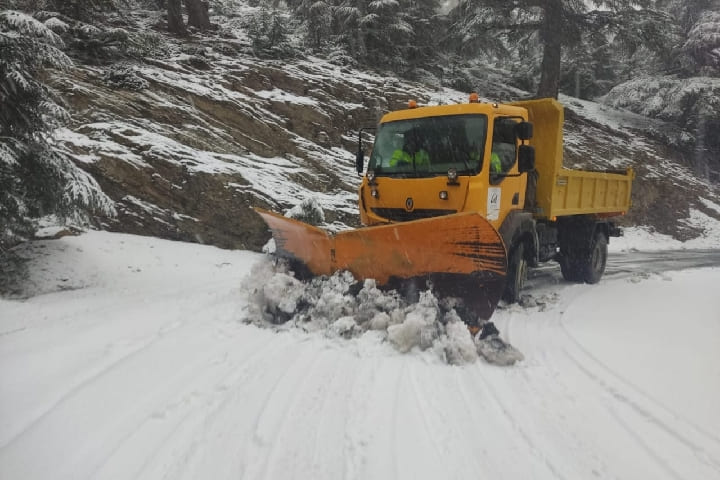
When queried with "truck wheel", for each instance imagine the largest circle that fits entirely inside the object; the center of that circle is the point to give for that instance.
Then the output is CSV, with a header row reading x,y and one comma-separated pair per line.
x,y
516,274
570,266
586,265
596,259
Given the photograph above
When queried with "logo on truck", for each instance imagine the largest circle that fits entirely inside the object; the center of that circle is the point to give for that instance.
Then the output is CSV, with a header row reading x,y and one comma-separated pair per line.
x,y
493,203
409,204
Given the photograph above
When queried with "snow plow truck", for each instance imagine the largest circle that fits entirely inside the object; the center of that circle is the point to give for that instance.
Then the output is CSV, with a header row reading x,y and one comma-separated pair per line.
x,y
464,199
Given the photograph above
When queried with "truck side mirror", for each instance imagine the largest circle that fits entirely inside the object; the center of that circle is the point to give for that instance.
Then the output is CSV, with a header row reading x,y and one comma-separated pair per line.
x,y
526,158
360,160
524,130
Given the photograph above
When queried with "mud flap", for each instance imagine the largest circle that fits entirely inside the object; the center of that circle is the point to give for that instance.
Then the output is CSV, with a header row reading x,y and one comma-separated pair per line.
x,y
461,255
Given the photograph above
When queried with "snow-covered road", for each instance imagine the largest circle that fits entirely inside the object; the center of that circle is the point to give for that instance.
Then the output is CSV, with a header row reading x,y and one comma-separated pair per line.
x,y
132,361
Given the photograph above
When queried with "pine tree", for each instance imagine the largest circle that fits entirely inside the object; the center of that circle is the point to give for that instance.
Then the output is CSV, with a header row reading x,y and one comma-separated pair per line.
x,y
425,23
268,32
34,179
176,24
198,14
378,32
316,16
555,24
85,9
699,20
703,43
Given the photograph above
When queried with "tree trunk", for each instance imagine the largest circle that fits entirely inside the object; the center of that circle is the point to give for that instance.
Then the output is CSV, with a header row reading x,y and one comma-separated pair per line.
x,y
198,15
551,36
175,18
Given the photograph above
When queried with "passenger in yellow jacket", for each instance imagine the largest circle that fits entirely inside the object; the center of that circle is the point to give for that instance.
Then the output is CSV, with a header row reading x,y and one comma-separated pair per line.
x,y
495,163
399,156
410,154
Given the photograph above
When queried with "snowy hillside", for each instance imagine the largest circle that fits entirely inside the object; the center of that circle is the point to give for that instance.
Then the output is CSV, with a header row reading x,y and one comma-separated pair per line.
x,y
187,141
134,359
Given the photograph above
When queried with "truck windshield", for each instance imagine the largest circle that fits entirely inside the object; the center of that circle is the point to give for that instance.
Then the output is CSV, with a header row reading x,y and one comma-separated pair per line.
x,y
430,146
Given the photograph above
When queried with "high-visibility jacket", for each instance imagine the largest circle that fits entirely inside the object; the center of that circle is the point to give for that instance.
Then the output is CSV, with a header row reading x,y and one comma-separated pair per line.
x,y
421,158
495,164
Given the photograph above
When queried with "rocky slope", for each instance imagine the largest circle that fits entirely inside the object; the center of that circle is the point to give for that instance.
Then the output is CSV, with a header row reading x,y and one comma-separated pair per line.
x,y
187,144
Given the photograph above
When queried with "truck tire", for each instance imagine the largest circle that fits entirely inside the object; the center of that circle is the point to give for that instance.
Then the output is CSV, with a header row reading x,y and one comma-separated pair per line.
x,y
585,266
570,266
516,274
596,259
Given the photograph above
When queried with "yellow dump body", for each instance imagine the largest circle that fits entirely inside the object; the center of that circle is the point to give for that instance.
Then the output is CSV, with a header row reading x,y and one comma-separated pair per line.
x,y
562,191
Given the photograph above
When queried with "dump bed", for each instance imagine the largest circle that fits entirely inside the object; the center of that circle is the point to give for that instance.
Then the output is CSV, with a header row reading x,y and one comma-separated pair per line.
x,y
562,191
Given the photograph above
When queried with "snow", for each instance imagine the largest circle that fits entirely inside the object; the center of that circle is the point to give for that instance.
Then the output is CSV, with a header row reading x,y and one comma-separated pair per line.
x,y
643,238
281,96
134,357
666,97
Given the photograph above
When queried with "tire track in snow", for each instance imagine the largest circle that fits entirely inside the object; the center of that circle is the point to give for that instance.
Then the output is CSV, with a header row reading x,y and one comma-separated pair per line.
x,y
585,352
425,413
557,325
448,429
357,438
339,373
472,408
95,374
86,382
510,419
700,452
181,412
312,387
214,424
269,423
659,460
395,416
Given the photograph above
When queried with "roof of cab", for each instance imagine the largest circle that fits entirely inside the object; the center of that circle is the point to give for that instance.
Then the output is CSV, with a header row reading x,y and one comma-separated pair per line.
x,y
455,109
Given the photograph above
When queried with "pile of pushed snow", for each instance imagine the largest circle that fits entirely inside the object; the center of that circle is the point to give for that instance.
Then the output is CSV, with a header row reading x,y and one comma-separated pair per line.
x,y
338,306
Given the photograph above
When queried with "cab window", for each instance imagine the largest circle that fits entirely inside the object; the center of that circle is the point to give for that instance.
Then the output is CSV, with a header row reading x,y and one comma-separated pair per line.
x,y
504,148
430,146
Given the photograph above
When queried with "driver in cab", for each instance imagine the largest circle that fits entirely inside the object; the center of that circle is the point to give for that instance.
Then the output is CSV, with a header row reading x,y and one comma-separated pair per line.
x,y
411,153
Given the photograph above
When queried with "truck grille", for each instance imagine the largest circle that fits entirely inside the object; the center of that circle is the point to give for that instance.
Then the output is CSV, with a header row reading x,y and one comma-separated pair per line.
x,y
402,215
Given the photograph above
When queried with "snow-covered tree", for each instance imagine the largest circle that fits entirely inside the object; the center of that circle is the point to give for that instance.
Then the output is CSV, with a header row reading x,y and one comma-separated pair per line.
x,y
422,16
317,17
554,24
84,9
176,24
267,30
703,43
34,179
198,14
378,32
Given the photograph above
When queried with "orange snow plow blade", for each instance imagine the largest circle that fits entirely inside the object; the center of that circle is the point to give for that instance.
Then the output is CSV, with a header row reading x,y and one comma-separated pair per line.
x,y
461,255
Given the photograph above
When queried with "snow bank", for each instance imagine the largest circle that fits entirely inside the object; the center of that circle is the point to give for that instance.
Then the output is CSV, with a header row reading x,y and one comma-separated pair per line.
x,y
646,239
339,307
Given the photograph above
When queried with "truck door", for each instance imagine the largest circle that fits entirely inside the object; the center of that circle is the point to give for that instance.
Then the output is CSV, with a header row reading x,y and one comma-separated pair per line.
x,y
505,189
